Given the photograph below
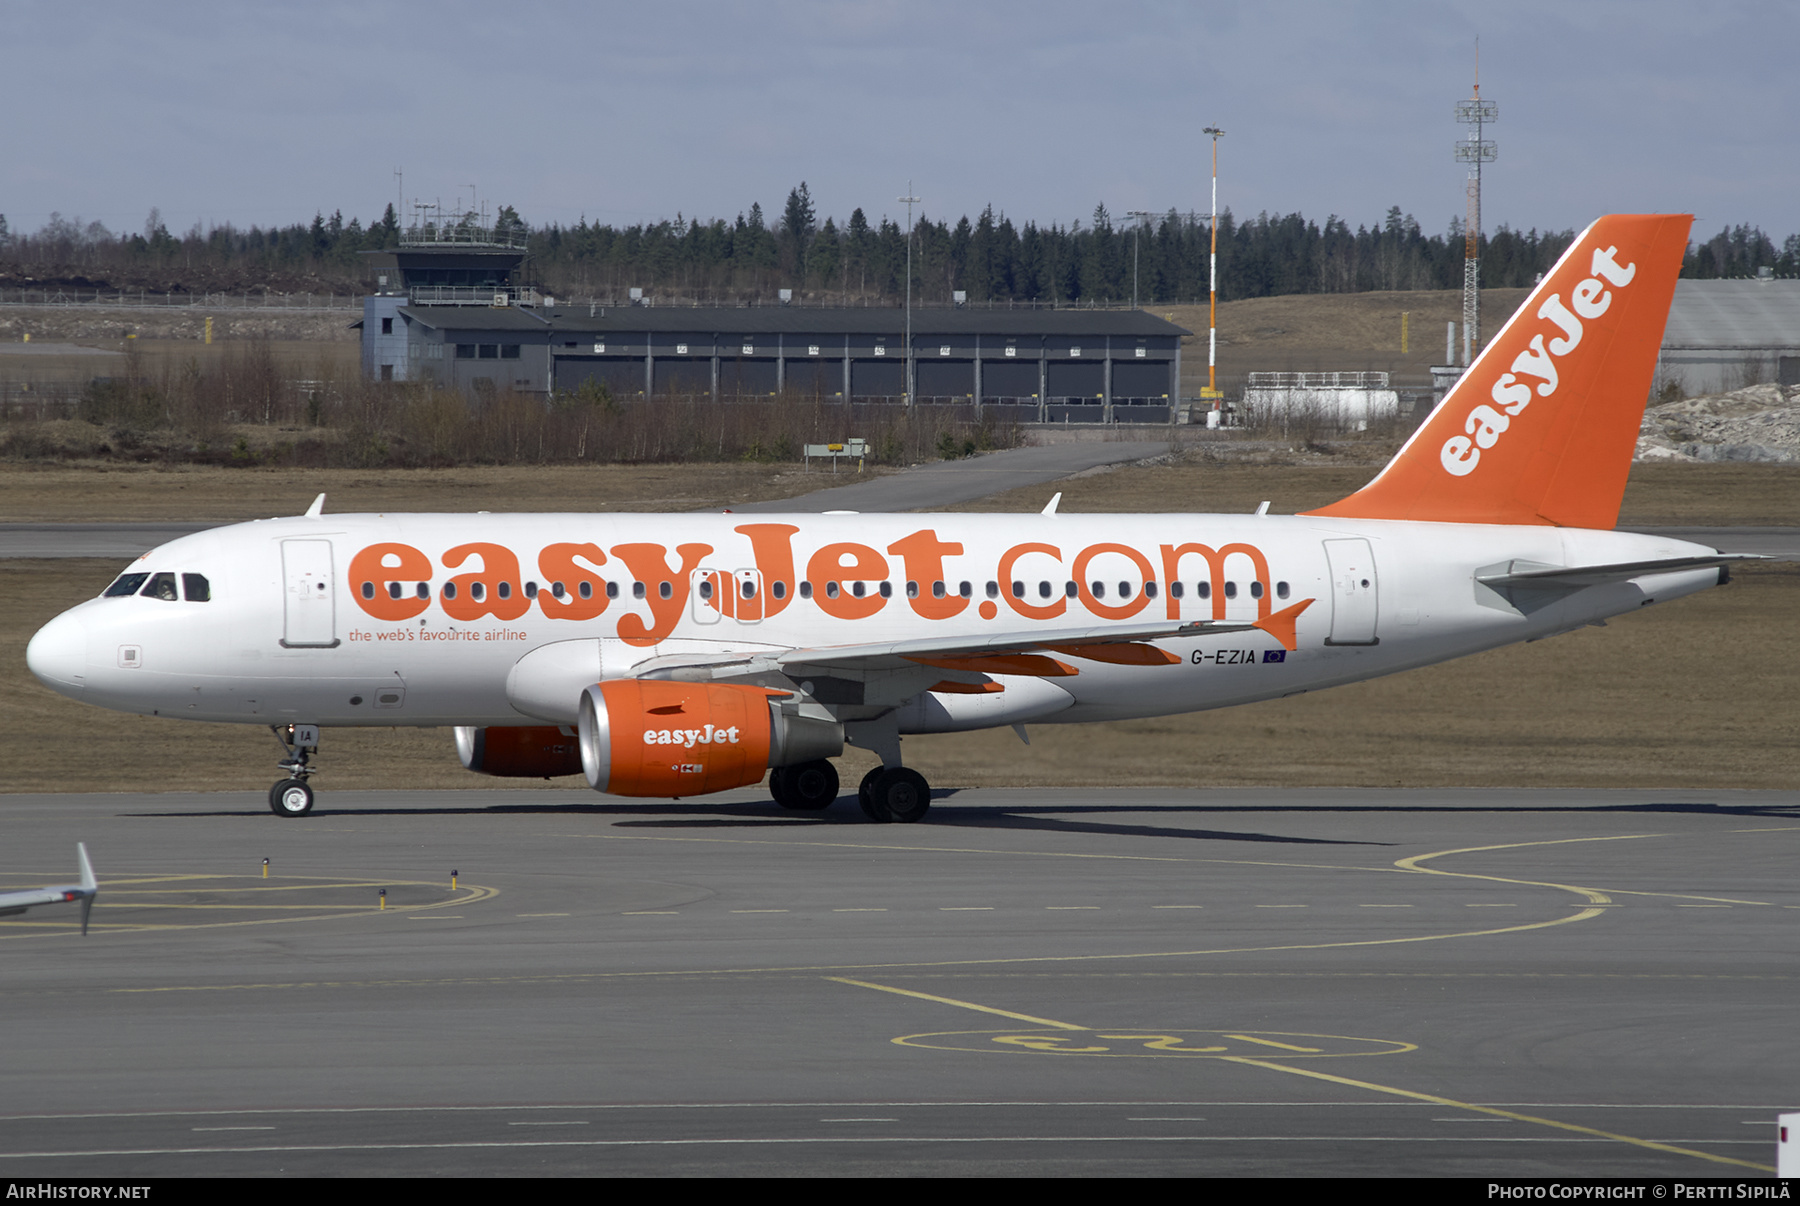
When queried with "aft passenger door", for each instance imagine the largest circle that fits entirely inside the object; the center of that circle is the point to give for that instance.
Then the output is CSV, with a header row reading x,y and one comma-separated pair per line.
x,y
1353,592
310,612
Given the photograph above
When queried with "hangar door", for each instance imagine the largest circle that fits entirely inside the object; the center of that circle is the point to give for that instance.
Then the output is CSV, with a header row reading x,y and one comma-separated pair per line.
x,y
623,376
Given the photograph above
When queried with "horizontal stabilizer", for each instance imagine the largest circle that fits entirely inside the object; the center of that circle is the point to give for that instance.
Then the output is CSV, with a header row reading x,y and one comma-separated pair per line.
x,y
1577,576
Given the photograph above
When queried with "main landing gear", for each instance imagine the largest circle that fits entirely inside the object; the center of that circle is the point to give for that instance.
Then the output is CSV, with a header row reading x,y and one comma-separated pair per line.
x,y
893,793
292,796
805,786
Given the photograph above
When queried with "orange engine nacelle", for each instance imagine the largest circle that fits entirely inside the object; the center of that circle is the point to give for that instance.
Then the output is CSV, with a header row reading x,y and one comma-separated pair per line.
x,y
645,737
537,752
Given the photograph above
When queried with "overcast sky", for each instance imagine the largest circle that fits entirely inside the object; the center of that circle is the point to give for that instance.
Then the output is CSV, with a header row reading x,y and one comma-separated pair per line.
x,y
265,113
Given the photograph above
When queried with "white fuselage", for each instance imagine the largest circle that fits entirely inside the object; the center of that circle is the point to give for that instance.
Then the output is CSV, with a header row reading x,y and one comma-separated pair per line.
x,y
290,634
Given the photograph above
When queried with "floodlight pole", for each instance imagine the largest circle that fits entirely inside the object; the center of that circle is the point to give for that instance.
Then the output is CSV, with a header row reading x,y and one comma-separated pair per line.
x,y
1143,217
1212,272
909,201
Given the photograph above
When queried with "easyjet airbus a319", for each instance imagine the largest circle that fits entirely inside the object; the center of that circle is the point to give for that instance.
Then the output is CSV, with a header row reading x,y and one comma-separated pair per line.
x,y
675,655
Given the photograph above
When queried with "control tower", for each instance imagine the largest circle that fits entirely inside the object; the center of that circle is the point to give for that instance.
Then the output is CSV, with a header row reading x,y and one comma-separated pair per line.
x,y
445,258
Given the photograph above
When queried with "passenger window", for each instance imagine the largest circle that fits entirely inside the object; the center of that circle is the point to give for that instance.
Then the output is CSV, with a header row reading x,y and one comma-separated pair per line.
x,y
637,590
831,590
1150,589
1043,590
706,588
1176,590
1281,590
965,590
993,590
424,591
1018,590
557,589
587,590
531,590
1231,590
393,590
1099,589
857,589
368,590
1203,590
126,584
161,586
1071,589
196,588
778,589
1256,590
666,590
887,590
912,590
612,590
805,589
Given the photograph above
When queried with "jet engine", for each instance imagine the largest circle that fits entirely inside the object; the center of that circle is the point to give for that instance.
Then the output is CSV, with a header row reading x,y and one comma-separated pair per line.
x,y
645,737
536,752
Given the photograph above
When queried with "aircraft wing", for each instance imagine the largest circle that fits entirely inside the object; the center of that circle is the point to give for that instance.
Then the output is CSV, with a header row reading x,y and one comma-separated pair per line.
x,y
17,902
887,655
892,654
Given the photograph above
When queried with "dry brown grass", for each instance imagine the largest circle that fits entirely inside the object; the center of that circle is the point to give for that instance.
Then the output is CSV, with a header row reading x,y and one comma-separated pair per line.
x,y
1656,496
1334,332
207,494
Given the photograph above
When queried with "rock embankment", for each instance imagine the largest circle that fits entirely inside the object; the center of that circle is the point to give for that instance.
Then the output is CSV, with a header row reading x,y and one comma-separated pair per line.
x,y
1759,423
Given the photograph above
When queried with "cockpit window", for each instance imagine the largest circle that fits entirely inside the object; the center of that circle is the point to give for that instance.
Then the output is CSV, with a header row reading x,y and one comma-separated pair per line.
x,y
161,586
196,588
126,584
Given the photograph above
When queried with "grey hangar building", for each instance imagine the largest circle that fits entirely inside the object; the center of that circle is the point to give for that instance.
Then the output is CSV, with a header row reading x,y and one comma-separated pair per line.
x,y
457,317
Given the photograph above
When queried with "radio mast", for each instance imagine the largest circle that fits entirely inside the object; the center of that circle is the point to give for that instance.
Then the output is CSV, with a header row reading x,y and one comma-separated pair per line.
x,y
1475,151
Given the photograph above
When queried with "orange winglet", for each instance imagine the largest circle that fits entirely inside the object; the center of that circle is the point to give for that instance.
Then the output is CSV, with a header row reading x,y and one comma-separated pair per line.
x,y
1541,428
1034,664
1127,653
1280,624
950,688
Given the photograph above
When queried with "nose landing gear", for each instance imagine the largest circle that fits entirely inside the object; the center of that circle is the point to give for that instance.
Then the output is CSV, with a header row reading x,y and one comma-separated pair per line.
x,y
292,796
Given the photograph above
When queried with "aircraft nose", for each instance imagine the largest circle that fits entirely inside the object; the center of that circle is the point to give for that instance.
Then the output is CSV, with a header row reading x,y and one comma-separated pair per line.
x,y
57,654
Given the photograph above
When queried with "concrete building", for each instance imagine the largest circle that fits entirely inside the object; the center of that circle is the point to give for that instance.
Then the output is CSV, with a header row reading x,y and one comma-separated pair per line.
x,y
1723,335
454,310
1037,365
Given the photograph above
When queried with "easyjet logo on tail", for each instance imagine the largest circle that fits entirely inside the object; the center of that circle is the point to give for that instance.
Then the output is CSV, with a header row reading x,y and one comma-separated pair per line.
x,y
1541,428
1537,363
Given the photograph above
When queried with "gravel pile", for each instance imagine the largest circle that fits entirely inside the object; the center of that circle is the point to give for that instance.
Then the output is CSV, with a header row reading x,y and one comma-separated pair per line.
x,y
1757,423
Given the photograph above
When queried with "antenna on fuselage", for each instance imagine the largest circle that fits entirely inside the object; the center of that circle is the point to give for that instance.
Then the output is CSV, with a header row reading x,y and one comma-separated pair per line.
x,y
317,509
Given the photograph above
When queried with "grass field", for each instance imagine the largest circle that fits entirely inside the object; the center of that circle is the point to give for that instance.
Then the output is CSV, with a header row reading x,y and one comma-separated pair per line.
x,y
1703,692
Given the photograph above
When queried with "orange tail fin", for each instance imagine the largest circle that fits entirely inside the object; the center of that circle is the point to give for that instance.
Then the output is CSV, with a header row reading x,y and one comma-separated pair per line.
x,y
1541,428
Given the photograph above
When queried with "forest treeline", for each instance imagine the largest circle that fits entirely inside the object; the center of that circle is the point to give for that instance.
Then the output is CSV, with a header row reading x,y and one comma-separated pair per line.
x,y
992,259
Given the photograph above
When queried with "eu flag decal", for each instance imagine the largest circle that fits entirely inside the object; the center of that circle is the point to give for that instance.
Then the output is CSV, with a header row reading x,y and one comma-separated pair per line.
x,y
1274,655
